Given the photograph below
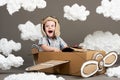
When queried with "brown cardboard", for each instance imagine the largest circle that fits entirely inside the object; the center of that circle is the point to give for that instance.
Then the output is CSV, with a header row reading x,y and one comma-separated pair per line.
x,y
76,59
45,65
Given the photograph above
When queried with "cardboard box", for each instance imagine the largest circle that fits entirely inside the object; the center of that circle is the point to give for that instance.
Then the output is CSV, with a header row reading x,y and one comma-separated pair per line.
x,y
76,59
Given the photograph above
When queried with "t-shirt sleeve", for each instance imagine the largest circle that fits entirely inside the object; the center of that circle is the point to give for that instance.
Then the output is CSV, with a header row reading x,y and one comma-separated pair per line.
x,y
42,40
62,43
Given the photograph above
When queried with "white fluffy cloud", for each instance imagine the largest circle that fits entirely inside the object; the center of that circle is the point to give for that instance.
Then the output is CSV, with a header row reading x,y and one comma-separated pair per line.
x,y
109,8
76,12
100,40
7,60
113,72
6,46
3,2
30,31
32,76
29,5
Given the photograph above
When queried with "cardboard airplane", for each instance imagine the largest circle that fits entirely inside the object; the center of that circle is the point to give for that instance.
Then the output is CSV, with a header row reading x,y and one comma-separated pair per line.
x,y
68,62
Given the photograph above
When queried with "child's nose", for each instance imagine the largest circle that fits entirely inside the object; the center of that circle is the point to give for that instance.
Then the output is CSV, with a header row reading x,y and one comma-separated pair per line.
x,y
50,26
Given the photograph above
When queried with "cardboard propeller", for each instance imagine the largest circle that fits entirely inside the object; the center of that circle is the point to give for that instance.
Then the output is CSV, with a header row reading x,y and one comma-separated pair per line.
x,y
91,67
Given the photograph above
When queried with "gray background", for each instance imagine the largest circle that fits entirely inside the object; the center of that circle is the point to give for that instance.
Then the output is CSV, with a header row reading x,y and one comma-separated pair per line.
x,y
73,32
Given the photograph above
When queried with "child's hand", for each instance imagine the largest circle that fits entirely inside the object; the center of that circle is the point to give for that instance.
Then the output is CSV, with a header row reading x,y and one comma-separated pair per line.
x,y
57,50
48,48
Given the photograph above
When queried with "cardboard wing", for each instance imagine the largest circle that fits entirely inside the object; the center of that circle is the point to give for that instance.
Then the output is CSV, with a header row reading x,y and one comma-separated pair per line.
x,y
45,65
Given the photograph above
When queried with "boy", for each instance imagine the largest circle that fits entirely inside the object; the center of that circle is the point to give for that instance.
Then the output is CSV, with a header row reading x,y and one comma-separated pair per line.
x,y
51,40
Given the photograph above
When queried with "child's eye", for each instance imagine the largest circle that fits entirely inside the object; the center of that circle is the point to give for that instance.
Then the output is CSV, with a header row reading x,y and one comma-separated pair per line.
x,y
47,26
52,25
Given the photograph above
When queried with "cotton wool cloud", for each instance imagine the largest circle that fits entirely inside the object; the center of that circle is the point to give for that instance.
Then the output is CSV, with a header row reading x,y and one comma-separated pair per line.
x,y
113,72
6,47
29,31
32,76
10,61
76,12
109,8
28,5
7,59
100,40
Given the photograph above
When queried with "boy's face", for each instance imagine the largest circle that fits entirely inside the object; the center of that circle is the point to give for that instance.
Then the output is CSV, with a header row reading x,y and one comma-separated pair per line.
x,y
50,28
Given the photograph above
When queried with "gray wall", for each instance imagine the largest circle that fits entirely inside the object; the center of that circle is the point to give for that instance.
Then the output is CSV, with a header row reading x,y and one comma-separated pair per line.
x,y
73,32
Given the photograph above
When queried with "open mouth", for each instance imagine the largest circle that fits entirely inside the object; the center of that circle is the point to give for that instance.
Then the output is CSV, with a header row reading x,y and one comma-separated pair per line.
x,y
50,31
